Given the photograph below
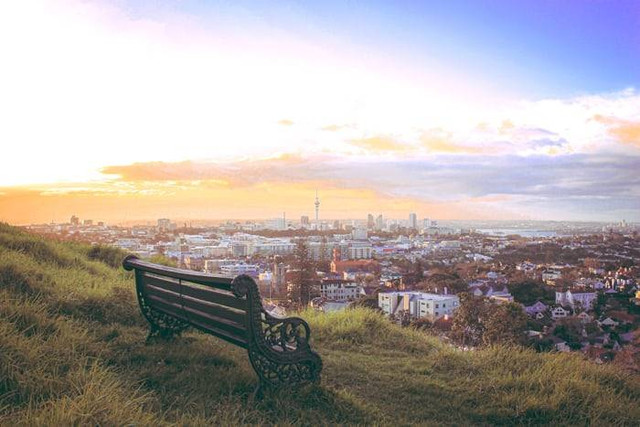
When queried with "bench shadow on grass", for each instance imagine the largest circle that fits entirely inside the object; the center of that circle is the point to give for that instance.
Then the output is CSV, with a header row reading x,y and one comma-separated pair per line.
x,y
195,373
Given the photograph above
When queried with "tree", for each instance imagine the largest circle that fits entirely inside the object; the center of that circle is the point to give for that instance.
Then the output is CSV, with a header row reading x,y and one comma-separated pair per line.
x,y
421,324
528,292
438,281
325,257
506,324
368,301
300,294
570,330
469,321
402,317
480,321
418,271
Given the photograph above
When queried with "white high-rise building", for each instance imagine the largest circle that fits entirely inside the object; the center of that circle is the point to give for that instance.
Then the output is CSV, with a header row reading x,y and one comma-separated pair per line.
x,y
413,221
379,222
276,224
418,304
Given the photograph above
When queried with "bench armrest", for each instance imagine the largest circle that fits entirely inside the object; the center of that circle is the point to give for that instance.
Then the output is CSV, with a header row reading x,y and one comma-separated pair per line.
x,y
289,335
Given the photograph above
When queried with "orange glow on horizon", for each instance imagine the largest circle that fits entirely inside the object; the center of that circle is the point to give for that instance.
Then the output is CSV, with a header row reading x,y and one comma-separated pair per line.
x,y
205,200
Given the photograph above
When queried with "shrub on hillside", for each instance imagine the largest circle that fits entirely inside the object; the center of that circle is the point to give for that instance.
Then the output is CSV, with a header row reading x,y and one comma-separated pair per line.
x,y
37,248
107,254
18,279
163,260
118,306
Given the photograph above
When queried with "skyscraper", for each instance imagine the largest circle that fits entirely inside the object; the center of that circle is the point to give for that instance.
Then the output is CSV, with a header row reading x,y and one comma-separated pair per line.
x,y
379,222
413,221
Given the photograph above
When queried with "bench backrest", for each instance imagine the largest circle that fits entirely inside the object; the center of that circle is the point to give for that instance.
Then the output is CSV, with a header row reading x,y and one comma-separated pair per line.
x,y
204,301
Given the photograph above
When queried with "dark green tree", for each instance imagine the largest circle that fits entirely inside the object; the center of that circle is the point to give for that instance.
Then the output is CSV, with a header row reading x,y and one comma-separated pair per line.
x,y
528,292
506,324
570,330
300,293
469,321
438,281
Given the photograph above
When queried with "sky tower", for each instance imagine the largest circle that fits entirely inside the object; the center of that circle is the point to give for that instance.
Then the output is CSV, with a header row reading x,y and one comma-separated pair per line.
x,y
317,203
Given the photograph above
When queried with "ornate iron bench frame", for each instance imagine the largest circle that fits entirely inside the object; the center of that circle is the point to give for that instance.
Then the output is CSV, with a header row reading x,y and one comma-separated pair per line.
x,y
278,348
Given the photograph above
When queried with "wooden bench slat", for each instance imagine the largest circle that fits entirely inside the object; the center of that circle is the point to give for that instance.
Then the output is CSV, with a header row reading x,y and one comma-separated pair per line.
x,y
214,295
227,336
198,291
171,308
215,322
234,320
228,330
215,309
165,294
163,282
151,270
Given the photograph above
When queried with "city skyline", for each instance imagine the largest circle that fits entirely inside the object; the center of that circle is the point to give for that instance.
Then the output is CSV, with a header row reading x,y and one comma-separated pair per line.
x,y
209,110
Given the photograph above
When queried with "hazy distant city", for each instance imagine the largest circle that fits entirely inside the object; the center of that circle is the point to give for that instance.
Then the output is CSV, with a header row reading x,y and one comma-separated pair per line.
x,y
414,269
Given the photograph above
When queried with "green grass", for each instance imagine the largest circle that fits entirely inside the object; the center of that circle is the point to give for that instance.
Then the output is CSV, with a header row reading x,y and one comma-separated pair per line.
x,y
72,351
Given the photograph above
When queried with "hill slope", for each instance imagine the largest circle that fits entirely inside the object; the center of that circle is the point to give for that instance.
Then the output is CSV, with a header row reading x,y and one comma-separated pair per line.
x,y
72,350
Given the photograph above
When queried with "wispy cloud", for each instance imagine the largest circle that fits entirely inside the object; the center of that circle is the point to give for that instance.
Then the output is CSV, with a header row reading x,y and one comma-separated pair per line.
x,y
380,144
335,128
625,131
439,141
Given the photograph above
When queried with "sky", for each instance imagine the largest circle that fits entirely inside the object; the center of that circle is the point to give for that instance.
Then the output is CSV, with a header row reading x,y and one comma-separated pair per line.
x,y
133,110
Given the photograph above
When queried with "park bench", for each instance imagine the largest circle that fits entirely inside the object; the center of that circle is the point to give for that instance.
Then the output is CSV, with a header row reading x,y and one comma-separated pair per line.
x,y
173,299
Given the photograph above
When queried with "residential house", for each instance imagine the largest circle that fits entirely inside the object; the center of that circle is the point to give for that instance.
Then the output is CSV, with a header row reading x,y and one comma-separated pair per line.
x,y
550,276
559,313
608,322
498,296
538,307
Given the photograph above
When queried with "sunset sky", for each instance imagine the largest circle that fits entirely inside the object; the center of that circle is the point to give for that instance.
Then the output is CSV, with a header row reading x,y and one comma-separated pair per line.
x,y
134,110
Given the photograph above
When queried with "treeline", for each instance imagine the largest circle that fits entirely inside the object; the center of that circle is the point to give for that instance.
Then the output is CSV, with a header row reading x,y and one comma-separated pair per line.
x,y
542,253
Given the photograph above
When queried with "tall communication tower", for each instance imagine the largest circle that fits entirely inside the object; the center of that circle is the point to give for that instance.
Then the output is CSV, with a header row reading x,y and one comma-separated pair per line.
x,y
317,203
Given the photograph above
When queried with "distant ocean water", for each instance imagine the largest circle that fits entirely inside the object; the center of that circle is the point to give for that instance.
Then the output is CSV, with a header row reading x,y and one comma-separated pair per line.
x,y
518,231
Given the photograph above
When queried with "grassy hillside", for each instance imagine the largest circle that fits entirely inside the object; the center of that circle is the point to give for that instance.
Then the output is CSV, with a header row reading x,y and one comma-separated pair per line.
x,y
72,351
